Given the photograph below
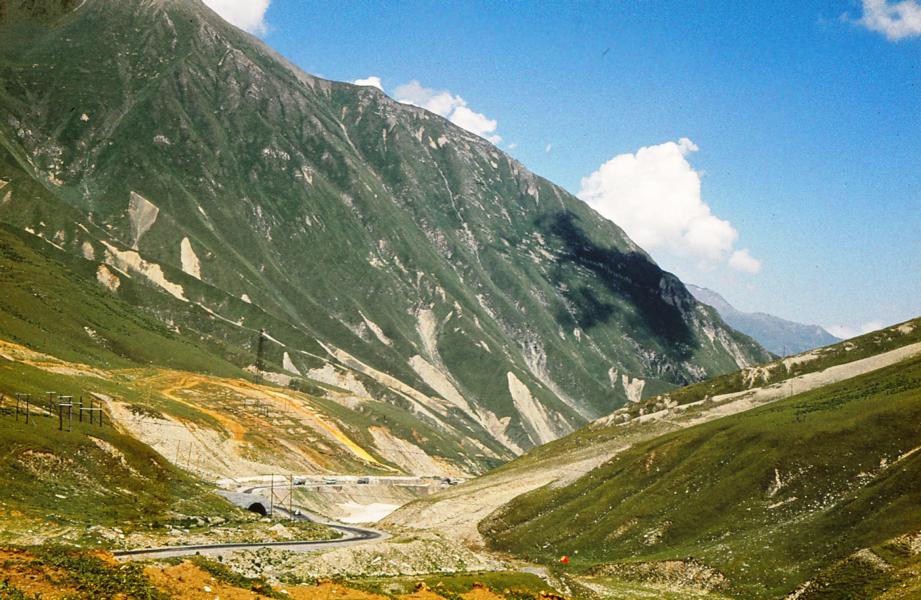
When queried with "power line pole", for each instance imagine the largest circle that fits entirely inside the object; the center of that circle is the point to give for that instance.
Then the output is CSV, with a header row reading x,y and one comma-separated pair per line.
x,y
260,351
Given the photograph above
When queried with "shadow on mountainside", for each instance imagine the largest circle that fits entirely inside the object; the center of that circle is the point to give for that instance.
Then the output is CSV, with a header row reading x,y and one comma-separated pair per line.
x,y
628,276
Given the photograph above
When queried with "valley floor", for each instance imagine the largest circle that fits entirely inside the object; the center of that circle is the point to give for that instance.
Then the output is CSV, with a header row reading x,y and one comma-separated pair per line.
x,y
139,482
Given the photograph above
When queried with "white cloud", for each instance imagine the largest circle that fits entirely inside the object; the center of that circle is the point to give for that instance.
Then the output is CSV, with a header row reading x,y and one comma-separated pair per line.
x,y
476,122
245,14
741,260
512,146
654,195
847,331
452,107
549,148
895,20
372,81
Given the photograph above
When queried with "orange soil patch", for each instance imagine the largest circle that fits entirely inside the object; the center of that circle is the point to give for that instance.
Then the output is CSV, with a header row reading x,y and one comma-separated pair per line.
x,y
17,570
176,381
481,592
423,592
295,403
46,362
187,581
330,591
187,382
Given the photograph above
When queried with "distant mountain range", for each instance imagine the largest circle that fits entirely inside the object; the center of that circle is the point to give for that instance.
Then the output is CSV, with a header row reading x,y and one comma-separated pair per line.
x,y
780,336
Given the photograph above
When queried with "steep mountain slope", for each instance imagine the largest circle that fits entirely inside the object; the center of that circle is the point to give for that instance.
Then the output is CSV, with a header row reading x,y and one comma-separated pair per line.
x,y
382,249
780,336
767,498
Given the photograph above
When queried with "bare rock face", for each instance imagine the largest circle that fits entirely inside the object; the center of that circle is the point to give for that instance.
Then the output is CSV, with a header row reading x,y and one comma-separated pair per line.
x,y
374,242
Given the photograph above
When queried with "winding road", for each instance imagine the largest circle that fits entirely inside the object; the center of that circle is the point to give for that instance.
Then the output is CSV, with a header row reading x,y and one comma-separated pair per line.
x,y
351,535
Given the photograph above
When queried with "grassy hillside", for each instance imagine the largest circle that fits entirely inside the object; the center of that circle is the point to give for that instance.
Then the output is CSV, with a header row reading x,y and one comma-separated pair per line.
x,y
76,484
107,485
768,497
457,511
781,370
53,302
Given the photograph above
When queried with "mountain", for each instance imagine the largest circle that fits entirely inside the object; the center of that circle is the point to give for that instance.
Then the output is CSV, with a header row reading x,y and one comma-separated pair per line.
x,y
777,335
191,173
751,485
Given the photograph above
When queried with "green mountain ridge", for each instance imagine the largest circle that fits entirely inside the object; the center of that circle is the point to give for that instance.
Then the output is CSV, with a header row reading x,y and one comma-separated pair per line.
x,y
374,242
807,491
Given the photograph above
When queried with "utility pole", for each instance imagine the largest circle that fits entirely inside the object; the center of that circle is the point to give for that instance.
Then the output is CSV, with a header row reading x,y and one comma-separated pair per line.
x,y
272,495
260,351
69,406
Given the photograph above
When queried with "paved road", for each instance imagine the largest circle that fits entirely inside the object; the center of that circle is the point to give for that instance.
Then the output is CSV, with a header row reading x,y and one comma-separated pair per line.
x,y
351,535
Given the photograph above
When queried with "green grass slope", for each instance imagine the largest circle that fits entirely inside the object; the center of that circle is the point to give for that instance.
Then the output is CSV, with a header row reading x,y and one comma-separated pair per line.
x,y
52,302
781,370
93,477
768,497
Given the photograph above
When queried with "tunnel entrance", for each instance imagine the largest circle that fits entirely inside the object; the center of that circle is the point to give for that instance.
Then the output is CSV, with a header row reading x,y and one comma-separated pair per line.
x,y
258,508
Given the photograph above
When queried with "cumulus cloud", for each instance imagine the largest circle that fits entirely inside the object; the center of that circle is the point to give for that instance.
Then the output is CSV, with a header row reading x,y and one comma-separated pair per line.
x,y
741,260
245,14
448,105
895,20
654,195
372,81
848,331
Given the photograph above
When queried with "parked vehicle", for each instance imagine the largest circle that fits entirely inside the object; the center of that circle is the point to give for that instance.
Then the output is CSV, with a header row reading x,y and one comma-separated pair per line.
x,y
363,480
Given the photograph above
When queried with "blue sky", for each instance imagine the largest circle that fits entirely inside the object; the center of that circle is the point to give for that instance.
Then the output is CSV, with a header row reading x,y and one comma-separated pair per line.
x,y
770,151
